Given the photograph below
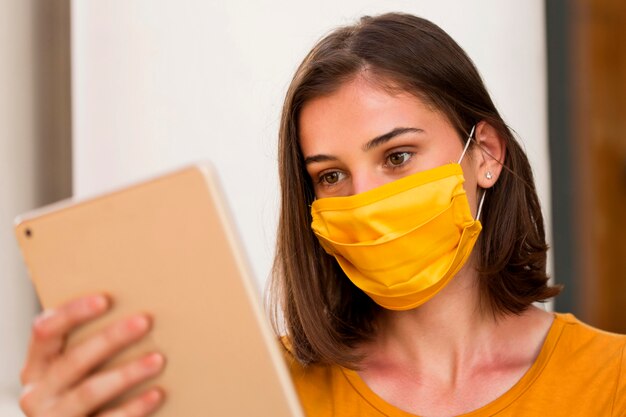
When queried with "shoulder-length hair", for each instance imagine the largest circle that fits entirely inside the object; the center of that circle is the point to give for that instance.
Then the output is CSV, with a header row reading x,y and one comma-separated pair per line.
x,y
325,316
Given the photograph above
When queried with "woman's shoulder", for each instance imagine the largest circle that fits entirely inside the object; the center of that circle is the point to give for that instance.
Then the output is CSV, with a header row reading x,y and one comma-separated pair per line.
x,y
316,384
585,350
585,365
581,346
310,376
579,336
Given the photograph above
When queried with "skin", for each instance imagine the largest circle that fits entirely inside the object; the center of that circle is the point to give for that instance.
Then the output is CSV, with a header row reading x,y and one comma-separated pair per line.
x,y
60,381
449,356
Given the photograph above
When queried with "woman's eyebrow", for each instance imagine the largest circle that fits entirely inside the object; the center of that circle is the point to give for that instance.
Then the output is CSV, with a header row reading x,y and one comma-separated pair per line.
x,y
318,158
379,140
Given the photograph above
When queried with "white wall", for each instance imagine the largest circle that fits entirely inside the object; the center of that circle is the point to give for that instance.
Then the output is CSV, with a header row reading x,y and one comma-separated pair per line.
x,y
160,83
17,188
34,157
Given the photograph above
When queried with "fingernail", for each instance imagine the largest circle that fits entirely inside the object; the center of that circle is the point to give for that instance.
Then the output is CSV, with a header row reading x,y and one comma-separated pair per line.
x,y
99,303
153,361
138,323
154,396
42,319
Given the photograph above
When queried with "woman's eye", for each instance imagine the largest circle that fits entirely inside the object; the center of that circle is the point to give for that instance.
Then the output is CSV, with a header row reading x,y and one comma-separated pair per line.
x,y
330,178
397,159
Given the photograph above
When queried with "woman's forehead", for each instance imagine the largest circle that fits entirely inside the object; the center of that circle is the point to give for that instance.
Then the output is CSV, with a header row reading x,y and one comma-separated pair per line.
x,y
360,110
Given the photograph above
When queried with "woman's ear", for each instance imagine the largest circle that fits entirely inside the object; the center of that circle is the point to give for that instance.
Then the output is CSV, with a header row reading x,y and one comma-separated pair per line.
x,y
489,154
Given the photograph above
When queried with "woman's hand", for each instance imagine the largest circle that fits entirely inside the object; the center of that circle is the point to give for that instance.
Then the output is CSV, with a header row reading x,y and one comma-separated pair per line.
x,y
60,382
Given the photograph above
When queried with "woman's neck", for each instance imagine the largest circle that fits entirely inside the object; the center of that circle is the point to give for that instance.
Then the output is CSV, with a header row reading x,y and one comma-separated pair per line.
x,y
451,337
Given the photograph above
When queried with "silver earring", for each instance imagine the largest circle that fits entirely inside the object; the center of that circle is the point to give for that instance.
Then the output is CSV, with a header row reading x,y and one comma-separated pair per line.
x,y
488,175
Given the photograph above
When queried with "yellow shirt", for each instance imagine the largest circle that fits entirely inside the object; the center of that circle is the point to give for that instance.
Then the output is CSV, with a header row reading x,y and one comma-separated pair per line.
x,y
580,371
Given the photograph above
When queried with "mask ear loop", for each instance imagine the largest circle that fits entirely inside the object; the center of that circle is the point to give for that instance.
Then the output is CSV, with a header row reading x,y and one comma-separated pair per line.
x,y
480,205
469,139
482,197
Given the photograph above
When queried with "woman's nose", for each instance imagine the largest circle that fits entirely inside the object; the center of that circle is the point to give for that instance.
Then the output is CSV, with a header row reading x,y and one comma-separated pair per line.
x,y
365,181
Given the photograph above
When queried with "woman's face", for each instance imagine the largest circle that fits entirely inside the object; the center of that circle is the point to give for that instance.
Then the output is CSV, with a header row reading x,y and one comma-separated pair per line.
x,y
361,137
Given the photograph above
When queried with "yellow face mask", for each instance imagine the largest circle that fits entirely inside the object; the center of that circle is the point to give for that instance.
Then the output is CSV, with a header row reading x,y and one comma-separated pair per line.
x,y
402,242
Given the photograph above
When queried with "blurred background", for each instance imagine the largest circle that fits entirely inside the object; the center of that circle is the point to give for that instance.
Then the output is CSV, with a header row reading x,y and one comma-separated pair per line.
x,y
97,94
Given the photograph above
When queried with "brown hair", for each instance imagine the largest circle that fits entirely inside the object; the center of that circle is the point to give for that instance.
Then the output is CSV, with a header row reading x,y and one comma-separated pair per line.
x,y
325,315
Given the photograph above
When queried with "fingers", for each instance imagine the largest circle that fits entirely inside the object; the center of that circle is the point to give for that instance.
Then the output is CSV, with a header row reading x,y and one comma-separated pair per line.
x,y
103,387
51,328
59,381
79,360
139,406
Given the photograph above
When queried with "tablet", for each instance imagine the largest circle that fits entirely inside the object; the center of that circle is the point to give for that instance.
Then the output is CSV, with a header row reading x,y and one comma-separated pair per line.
x,y
167,247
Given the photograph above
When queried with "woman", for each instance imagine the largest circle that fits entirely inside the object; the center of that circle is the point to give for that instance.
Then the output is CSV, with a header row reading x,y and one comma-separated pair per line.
x,y
390,307
410,250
